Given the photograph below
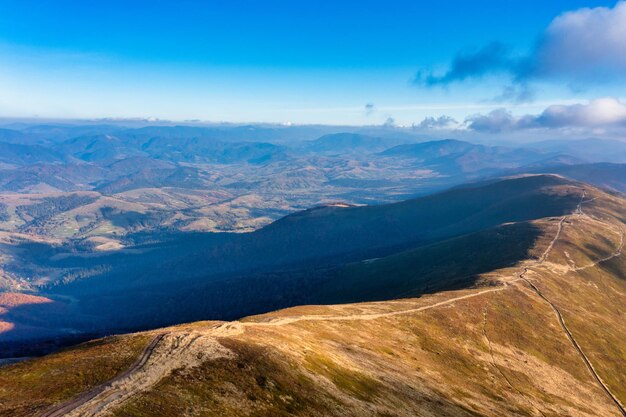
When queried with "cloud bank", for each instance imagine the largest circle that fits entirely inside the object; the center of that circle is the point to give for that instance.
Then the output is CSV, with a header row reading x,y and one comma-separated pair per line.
x,y
587,43
600,113
441,122
582,47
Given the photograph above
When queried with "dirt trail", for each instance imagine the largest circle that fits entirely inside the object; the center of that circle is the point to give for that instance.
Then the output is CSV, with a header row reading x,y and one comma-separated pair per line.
x,y
165,353
373,316
545,254
618,252
64,408
559,316
582,354
170,351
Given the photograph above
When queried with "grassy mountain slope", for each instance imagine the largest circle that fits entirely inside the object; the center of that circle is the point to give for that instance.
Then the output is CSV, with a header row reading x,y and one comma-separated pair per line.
x,y
497,348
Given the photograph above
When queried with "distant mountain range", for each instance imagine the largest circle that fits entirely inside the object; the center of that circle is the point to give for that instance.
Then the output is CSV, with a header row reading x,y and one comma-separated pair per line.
x,y
161,180
349,143
588,150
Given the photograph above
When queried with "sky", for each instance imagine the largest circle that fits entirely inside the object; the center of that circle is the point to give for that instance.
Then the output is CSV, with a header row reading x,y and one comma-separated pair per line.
x,y
487,66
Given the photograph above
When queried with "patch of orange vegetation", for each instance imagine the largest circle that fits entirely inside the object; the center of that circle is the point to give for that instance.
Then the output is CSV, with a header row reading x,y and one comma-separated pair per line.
x,y
12,299
6,326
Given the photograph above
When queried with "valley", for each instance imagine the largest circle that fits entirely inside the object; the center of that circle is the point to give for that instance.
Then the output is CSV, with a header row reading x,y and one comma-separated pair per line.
x,y
99,189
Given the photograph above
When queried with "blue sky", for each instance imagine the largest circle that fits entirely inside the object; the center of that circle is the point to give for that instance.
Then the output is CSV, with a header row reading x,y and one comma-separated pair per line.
x,y
279,61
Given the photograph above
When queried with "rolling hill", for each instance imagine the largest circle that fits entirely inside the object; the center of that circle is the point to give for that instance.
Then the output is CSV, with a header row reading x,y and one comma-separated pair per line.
x,y
522,317
455,157
348,143
186,277
20,154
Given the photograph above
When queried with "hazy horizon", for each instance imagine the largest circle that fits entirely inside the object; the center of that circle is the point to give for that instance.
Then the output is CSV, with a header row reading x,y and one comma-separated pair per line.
x,y
535,71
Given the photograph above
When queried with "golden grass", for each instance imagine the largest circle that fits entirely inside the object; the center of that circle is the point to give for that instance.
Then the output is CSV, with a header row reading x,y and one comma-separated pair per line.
x,y
31,386
496,353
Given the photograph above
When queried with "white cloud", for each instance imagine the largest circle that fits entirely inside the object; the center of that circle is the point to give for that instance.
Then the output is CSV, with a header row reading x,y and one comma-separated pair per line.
x,y
495,121
588,43
441,122
599,113
579,48
602,112
390,122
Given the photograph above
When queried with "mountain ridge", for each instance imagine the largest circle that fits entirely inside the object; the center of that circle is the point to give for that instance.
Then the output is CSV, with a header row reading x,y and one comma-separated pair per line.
x,y
500,348
227,276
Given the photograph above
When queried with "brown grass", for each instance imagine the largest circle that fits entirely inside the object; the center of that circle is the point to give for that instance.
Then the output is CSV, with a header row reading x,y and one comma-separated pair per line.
x,y
32,386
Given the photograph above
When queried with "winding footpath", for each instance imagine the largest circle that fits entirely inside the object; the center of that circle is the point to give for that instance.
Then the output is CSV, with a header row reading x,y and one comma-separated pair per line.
x,y
618,252
581,353
166,352
559,316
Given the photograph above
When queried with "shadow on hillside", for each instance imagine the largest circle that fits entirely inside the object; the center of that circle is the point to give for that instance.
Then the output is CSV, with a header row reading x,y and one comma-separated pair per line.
x,y
450,264
37,327
613,266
